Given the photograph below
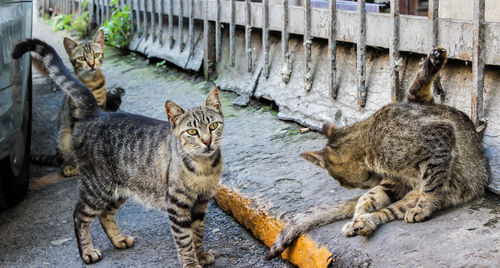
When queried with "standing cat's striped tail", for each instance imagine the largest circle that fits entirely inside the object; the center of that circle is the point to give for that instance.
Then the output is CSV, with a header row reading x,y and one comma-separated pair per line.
x,y
82,97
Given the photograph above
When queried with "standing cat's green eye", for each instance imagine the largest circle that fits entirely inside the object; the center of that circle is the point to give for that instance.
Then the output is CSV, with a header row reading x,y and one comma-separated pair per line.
x,y
81,58
97,55
192,131
213,126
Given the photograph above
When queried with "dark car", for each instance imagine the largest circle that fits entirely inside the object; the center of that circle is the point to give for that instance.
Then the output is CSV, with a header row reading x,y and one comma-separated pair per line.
x,y
15,102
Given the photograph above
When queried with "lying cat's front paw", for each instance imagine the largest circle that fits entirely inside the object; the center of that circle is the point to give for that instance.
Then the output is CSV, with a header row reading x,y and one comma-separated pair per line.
x,y
348,229
124,242
363,225
206,258
416,214
437,56
91,255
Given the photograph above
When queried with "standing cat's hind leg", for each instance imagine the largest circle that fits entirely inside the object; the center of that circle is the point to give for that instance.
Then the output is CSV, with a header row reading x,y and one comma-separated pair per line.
x,y
108,223
83,217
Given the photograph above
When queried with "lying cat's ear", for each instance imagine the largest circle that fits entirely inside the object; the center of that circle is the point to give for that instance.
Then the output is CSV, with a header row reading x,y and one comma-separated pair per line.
x,y
99,38
213,99
328,129
173,111
69,45
315,157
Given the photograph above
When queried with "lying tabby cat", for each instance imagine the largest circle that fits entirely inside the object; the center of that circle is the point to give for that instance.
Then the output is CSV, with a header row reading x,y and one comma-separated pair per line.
x,y
86,59
174,167
415,157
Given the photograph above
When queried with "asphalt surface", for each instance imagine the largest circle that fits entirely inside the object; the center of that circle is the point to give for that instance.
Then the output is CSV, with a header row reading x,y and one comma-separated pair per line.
x,y
38,232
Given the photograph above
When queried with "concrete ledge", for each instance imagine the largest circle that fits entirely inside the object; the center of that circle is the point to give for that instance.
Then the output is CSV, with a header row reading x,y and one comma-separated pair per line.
x,y
303,253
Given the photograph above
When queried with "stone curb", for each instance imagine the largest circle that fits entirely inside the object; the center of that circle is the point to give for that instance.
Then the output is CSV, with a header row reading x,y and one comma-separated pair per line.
x,y
304,252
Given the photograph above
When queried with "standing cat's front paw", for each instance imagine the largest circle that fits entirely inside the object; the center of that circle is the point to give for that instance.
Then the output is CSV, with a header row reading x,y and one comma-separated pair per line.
x,y
124,242
91,255
363,225
416,214
206,258
348,229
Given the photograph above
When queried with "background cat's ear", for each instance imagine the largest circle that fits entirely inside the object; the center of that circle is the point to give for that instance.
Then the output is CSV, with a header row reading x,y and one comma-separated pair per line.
x,y
173,111
213,99
315,157
328,129
99,38
69,45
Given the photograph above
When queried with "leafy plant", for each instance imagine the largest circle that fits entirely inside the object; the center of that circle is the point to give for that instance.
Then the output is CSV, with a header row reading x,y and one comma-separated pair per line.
x,y
61,22
117,29
79,25
161,64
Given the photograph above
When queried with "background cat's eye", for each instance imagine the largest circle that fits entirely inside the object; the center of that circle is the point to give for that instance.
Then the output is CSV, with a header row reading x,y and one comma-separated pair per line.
x,y
81,58
192,131
213,126
97,55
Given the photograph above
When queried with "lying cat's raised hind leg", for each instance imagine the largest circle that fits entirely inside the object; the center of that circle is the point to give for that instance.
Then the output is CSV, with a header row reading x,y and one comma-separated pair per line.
x,y
108,223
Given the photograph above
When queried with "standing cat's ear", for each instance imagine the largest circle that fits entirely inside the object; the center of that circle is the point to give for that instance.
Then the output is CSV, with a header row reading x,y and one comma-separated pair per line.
x,y
315,157
328,129
173,111
99,38
69,45
213,99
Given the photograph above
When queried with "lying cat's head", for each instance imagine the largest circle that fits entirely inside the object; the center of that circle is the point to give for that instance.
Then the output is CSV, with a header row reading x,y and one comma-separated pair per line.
x,y
199,129
86,57
343,159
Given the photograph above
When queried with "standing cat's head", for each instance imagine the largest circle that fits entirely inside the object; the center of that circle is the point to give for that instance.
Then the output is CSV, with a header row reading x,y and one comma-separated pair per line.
x,y
199,129
86,57
343,159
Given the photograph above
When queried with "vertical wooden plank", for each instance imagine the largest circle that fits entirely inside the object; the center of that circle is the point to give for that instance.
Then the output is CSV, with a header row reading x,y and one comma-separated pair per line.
x,y
79,7
308,78
138,18
108,7
191,26
265,35
98,11
171,22
103,12
248,34
394,50
160,22
477,113
218,37
332,48
92,18
130,3
145,30
153,21
286,70
231,33
208,44
361,52
181,25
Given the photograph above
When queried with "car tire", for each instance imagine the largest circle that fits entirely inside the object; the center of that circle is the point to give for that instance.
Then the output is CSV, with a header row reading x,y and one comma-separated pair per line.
x,y
14,176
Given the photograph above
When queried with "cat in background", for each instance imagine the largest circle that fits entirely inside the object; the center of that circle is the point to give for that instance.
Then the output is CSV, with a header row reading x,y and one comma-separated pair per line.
x,y
172,166
86,58
415,158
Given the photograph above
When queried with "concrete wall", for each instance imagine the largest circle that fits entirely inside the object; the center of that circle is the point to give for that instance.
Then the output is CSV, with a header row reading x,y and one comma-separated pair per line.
x,y
464,9
316,107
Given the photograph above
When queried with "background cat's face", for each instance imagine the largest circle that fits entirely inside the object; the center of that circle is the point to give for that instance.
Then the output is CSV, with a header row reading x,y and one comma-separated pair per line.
x,y
86,57
198,129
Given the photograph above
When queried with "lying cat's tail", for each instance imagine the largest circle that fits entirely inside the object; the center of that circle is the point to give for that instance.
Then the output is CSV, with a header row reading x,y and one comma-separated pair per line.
x,y
86,105
420,90
309,219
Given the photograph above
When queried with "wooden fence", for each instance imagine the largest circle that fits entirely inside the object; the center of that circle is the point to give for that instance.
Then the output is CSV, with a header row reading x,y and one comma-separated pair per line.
x,y
464,40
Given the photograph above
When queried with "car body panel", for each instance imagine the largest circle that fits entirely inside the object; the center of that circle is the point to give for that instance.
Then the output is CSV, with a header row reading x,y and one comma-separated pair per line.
x,y
15,25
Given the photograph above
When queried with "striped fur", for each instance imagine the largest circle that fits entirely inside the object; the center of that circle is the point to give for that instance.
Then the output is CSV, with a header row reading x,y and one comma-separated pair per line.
x,y
415,158
172,166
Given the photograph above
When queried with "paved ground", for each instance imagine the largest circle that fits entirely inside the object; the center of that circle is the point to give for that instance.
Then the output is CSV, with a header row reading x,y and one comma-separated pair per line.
x,y
39,231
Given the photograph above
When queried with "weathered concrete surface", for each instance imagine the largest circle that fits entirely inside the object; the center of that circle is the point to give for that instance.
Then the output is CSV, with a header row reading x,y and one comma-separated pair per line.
x,y
315,107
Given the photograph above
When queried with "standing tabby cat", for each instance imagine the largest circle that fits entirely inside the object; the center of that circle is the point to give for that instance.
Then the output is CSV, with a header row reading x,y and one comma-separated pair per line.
x,y
415,157
174,167
86,59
